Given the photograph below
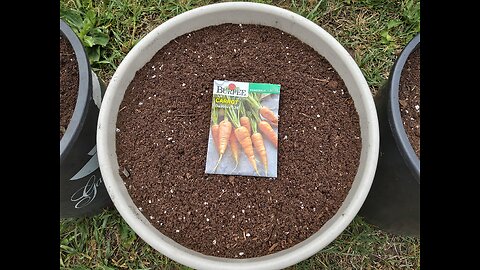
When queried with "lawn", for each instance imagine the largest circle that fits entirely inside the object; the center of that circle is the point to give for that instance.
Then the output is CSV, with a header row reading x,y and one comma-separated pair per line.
x,y
374,32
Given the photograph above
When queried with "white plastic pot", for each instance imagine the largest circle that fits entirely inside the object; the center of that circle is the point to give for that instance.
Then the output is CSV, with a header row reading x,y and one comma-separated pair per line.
x,y
245,13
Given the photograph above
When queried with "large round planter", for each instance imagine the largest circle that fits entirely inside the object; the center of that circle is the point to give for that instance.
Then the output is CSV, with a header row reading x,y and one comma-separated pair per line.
x,y
246,13
82,191
393,203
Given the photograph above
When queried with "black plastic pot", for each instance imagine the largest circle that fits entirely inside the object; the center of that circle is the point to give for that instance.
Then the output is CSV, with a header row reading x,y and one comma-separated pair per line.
x,y
393,203
82,192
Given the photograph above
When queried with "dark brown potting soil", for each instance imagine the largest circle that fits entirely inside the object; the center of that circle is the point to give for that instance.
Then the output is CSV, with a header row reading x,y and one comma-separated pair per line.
x,y
68,83
163,128
409,99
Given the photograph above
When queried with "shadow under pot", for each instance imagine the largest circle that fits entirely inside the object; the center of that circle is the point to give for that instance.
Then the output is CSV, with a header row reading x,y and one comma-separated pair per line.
x,y
82,192
393,203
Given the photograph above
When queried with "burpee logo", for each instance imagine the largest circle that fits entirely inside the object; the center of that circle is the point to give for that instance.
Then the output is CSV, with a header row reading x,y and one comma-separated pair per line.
x,y
229,88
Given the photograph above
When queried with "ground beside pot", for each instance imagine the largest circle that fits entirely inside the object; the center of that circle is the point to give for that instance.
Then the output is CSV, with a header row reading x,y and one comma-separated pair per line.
x,y
163,127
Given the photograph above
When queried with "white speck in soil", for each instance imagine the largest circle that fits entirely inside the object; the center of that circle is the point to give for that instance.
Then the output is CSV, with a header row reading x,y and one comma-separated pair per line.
x,y
318,115
286,47
168,111
177,231
162,65
288,53
140,208
314,128
417,107
208,219
165,211
117,130
214,242
247,234
169,138
151,217
241,253
233,216
285,137
406,111
210,57
140,103
234,50
243,211
240,25
153,77
205,203
289,62
171,190
183,84
244,41
149,201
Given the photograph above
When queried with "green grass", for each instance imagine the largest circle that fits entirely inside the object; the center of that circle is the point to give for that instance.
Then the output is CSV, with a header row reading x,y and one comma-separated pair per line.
x,y
373,31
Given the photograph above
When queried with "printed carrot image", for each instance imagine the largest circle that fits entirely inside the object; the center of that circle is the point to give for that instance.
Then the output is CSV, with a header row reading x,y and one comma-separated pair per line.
x,y
257,140
215,127
243,137
266,112
224,130
235,148
241,134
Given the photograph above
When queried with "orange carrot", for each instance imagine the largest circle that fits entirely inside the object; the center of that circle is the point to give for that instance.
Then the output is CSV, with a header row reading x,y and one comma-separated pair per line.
x,y
257,140
245,141
215,129
245,121
266,129
235,148
224,131
243,136
269,115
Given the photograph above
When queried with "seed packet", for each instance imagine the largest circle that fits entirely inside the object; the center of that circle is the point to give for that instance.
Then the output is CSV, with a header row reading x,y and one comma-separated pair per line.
x,y
243,137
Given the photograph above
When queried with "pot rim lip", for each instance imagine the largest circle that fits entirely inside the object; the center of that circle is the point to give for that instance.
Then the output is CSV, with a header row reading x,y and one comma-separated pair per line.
x,y
84,93
393,107
173,250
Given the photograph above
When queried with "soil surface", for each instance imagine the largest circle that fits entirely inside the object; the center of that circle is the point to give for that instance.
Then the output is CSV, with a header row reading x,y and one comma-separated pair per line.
x,y
69,80
163,129
409,99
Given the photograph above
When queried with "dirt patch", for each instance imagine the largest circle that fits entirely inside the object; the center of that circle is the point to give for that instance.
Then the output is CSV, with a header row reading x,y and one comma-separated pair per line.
x,y
409,99
163,128
69,80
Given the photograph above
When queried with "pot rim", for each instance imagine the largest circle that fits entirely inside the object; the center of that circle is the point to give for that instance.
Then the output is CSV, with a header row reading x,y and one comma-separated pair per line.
x,y
393,108
136,59
84,93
